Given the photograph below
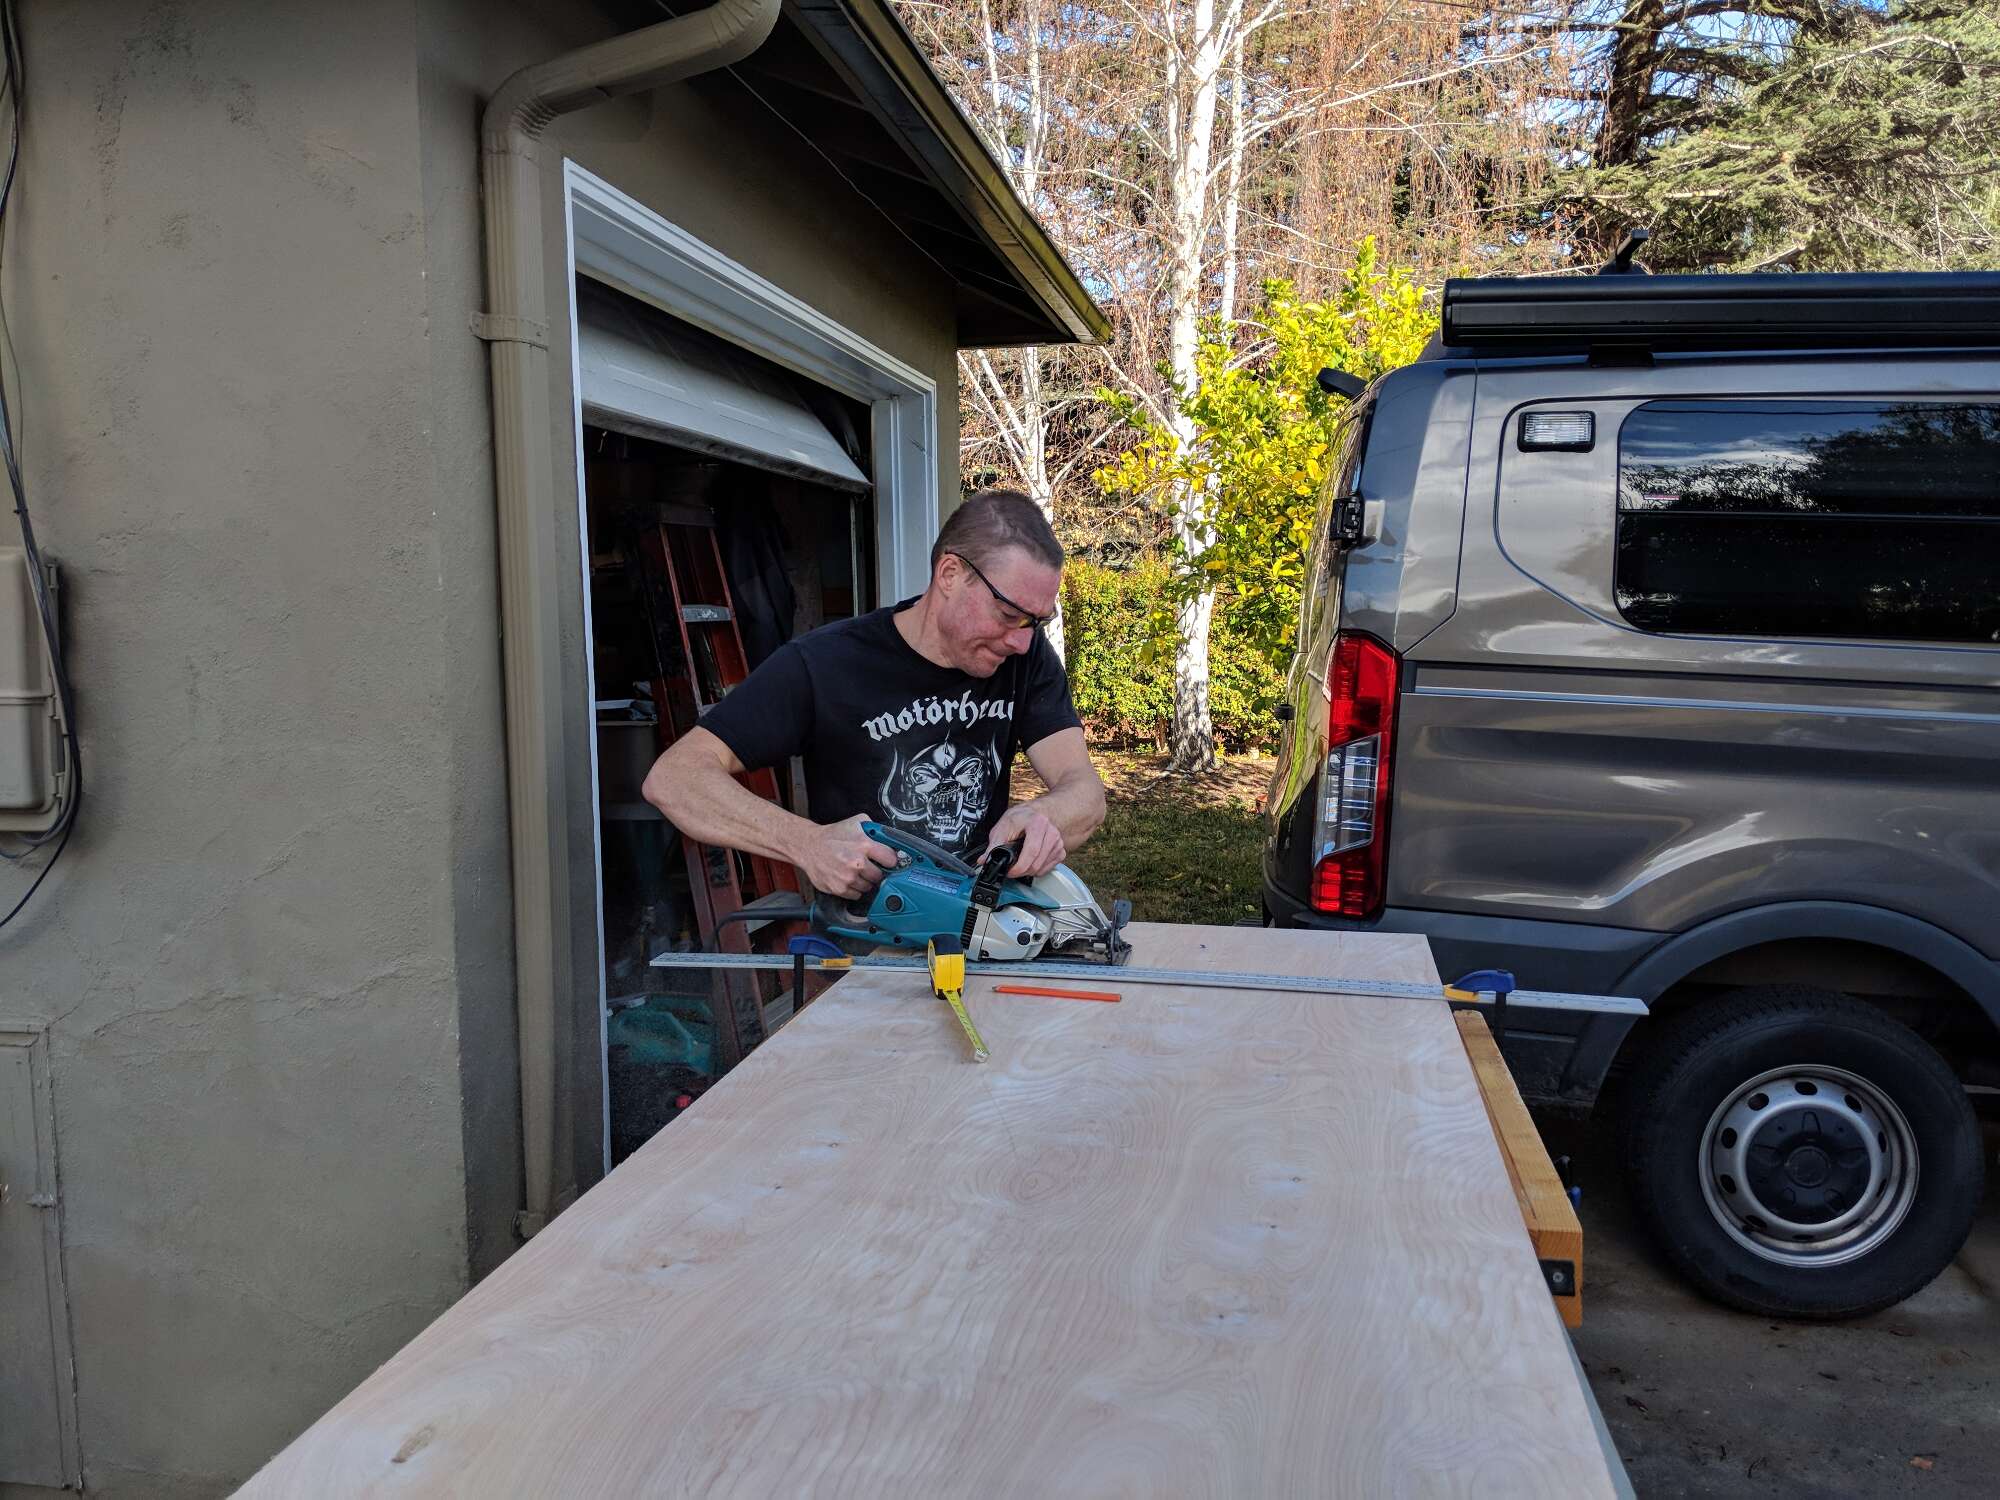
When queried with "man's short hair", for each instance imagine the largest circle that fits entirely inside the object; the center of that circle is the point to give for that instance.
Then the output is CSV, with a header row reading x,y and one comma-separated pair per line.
x,y
990,521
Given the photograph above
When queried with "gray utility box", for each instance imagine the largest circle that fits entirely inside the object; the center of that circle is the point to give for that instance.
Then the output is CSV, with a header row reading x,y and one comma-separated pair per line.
x,y
33,776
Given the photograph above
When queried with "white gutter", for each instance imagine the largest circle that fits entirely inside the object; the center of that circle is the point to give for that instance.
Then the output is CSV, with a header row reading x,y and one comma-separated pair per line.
x,y
517,331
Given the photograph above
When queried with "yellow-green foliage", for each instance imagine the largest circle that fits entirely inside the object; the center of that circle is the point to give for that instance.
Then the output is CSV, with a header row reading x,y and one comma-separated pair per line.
x,y
1262,430
1120,648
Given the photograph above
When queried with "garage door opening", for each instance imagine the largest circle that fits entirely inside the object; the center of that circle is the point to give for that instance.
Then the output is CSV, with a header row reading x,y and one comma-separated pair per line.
x,y
727,510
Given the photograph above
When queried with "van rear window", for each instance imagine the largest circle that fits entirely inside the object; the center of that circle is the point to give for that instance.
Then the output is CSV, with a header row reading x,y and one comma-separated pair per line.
x,y
1849,519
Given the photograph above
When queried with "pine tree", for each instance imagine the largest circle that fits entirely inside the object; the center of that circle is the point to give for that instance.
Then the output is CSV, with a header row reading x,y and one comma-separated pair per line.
x,y
1868,140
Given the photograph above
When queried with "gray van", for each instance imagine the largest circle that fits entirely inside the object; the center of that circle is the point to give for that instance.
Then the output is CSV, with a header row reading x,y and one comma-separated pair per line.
x,y
1652,647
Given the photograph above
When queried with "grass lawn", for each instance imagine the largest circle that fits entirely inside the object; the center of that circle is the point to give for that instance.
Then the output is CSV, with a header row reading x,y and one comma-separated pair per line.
x,y
1179,849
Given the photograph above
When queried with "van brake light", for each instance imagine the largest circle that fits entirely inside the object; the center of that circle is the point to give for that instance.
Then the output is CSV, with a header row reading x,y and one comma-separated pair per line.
x,y
1351,832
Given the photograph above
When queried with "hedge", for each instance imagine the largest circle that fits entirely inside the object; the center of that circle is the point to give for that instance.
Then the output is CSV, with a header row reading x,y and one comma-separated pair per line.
x,y
1121,662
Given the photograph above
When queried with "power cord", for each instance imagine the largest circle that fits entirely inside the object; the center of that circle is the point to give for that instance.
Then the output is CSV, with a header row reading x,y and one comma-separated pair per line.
x,y
10,88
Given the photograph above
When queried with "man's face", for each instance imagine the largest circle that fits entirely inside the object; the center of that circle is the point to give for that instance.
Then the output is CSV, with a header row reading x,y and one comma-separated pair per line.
x,y
981,629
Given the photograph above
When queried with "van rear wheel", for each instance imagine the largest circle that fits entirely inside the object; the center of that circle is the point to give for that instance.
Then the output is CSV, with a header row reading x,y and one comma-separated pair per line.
x,y
1799,1154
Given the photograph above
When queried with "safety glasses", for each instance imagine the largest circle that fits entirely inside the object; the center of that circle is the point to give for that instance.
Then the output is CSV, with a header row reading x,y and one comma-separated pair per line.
x,y
1017,617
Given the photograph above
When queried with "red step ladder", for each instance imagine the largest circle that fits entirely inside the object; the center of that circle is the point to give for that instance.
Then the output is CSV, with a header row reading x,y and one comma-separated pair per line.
x,y
689,604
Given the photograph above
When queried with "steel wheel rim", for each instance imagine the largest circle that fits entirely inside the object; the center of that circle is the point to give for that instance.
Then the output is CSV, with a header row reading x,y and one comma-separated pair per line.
x,y
1808,1166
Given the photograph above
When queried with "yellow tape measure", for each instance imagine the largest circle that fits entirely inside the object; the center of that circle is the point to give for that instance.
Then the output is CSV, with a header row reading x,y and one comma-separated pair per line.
x,y
947,969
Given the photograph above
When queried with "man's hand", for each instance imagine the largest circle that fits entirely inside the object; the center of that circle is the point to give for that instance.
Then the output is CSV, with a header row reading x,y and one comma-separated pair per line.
x,y
1042,847
841,860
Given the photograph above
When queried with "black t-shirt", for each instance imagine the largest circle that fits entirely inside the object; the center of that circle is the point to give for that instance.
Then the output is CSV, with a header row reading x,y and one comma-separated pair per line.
x,y
888,733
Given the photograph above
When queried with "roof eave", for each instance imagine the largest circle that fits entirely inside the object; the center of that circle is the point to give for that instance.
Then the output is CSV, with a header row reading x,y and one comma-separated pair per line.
x,y
865,42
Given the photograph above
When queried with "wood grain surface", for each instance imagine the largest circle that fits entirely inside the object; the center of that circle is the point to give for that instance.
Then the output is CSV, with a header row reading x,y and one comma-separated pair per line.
x,y
1199,1243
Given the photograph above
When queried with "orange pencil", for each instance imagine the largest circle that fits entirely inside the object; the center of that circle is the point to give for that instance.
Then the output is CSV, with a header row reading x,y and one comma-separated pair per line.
x,y
1030,989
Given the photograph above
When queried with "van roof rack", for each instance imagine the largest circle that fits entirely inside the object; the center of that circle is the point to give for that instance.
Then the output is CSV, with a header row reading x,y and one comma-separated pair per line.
x,y
1633,314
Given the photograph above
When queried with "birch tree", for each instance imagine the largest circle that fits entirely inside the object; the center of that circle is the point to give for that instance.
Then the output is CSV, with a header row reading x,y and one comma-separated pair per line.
x,y
1178,150
1195,55
1019,69
1274,64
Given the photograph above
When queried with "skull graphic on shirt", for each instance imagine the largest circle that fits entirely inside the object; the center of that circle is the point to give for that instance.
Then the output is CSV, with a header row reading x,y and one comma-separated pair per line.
x,y
942,790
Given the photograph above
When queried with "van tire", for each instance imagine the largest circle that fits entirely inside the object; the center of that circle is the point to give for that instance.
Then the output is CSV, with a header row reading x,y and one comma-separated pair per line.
x,y
1842,1074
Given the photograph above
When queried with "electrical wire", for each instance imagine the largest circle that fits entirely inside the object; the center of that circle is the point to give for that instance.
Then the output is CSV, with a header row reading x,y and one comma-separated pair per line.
x,y
11,80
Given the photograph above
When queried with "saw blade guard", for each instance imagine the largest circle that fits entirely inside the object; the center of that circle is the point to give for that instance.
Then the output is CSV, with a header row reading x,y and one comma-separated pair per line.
x,y
1072,922
1010,932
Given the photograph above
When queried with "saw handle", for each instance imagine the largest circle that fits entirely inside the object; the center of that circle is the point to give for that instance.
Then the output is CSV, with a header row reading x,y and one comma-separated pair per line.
x,y
914,848
999,860
986,886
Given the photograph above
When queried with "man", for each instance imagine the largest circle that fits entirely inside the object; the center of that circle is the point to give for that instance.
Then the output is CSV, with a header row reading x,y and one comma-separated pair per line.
x,y
909,717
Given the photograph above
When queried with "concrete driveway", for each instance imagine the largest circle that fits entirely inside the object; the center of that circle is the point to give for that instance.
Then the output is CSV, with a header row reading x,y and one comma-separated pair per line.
x,y
1702,1401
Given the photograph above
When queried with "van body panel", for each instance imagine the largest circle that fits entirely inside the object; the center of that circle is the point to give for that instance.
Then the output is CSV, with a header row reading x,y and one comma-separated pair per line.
x,y
1404,585
1414,426
1589,803
1655,801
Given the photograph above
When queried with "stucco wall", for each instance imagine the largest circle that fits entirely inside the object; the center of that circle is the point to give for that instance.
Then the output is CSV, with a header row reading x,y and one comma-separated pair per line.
x,y
249,954
275,957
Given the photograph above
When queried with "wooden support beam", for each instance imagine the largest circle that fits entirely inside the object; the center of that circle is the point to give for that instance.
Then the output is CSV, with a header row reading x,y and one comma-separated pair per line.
x,y
1545,1207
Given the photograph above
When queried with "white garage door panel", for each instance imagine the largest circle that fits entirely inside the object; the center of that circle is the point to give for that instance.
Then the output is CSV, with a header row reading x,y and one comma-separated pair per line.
x,y
654,377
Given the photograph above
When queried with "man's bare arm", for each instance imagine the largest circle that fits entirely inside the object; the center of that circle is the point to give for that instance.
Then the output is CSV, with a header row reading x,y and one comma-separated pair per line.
x,y
1062,818
1074,801
695,788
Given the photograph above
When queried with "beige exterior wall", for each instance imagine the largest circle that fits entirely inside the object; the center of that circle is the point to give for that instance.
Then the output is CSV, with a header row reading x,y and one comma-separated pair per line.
x,y
275,959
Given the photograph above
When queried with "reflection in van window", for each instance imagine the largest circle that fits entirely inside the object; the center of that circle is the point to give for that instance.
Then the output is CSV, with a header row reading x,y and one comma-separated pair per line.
x,y
1323,561
1856,519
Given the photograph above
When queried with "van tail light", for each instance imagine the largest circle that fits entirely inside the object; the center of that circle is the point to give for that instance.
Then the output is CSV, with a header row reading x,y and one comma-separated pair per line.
x,y
1351,835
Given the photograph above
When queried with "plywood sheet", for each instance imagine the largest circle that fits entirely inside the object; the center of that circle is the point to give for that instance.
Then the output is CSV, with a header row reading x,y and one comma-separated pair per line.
x,y
1200,1242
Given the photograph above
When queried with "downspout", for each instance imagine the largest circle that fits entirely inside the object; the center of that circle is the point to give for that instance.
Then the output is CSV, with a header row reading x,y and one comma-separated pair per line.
x,y
516,329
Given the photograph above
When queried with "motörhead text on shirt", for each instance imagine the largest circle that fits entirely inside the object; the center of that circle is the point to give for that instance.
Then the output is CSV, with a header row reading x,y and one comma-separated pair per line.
x,y
889,734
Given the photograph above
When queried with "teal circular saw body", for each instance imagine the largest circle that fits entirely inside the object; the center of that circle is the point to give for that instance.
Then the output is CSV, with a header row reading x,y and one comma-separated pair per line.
x,y
932,893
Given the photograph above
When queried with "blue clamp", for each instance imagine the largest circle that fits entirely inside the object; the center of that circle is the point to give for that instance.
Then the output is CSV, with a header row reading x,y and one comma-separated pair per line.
x,y
811,945
1496,982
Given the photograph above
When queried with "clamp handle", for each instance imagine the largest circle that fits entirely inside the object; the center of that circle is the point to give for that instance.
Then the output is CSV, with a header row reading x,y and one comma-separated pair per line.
x,y
1496,982
812,945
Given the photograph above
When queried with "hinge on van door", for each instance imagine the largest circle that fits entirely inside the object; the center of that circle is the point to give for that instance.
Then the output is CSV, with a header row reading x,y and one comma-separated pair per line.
x,y
1347,518
1356,522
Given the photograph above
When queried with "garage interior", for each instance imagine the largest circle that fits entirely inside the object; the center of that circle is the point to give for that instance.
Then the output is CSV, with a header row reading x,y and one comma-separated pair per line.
x,y
728,508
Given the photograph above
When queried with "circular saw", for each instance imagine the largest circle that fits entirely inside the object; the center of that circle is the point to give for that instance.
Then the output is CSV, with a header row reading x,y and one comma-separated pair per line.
x,y
933,893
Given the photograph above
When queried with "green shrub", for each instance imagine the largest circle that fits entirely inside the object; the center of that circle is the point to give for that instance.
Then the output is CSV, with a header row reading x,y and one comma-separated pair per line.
x,y
1119,643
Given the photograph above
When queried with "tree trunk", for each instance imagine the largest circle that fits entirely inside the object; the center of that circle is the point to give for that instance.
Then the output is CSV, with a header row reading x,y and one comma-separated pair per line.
x,y
1629,93
1035,463
1192,739
1019,407
1232,181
